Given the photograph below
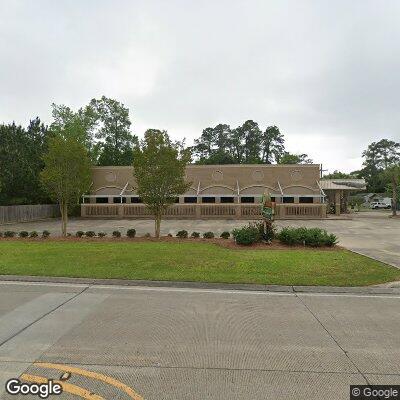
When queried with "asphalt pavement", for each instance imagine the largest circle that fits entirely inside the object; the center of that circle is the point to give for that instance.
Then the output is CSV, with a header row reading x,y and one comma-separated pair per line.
x,y
116,342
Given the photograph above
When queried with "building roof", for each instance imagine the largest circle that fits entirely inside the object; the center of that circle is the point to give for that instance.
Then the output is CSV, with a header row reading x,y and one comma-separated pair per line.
x,y
342,184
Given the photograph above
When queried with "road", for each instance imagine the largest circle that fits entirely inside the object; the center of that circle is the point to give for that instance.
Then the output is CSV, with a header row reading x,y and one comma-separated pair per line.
x,y
176,343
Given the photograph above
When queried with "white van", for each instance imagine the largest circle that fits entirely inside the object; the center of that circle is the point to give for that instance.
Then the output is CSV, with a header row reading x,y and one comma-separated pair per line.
x,y
380,204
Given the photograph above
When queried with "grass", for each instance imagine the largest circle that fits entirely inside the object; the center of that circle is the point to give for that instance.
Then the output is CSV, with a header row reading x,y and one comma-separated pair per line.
x,y
191,262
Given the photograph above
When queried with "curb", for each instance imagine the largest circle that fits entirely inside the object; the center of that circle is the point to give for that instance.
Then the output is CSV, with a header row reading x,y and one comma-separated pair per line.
x,y
203,285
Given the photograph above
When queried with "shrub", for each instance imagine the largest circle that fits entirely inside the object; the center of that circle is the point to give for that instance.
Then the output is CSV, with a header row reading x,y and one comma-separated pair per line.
x,y
225,235
1,234
208,235
90,234
131,233
9,234
182,234
116,234
267,229
33,234
79,233
195,235
247,235
23,234
101,234
147,235
45,234
169,235
314,237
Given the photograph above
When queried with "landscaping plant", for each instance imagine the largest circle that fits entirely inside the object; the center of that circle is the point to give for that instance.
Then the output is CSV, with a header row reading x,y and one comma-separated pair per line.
x,y
116,234
23,234
45,234
101,234
208,235
9,234
90,234
79,234
314,237
195,235
131,233
225,235
247,235
182,234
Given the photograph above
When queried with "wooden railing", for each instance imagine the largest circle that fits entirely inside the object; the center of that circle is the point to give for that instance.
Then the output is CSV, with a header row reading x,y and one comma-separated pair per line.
x,y
205,211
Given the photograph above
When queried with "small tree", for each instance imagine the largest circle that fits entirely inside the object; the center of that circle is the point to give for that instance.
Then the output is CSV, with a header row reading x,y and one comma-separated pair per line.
x,y
66,174
159,168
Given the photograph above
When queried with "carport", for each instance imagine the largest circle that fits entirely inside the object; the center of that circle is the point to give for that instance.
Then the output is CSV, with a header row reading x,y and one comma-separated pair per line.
x,y
337,192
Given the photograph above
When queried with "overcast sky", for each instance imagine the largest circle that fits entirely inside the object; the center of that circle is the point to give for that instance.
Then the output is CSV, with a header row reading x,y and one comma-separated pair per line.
x,y
326,72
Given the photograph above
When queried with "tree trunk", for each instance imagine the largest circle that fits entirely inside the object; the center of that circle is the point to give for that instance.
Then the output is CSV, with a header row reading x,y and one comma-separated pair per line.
x,y
394,195
157,226
64,218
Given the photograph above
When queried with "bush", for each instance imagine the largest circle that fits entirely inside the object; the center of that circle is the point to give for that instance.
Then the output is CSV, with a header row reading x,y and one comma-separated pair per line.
x,y
147,235
169,235
9,234
116,234
45,234
225,235
195,235
101,234
131,233
314,237
208,235
267,229
247,235
79,234
23,234
1,234
90,234
182,234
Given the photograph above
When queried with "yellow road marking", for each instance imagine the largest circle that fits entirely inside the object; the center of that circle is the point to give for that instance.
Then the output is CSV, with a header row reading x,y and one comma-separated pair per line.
x,y
67,387
94,375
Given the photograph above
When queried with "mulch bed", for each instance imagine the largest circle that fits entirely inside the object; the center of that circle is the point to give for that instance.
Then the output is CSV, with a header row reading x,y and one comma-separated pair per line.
x,y
226,243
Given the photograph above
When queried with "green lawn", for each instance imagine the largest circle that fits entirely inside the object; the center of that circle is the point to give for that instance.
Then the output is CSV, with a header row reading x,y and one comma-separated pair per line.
x,y
191,262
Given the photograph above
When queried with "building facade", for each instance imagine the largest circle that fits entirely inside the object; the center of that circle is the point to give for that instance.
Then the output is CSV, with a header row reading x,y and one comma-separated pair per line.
x,y
216,191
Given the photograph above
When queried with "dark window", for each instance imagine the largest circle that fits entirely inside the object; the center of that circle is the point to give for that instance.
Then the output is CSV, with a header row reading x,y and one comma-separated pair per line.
x,y
272,198
306,200
247,199
288,199
136,200
101,200
190,199
177,200
227,200
119,200
208,199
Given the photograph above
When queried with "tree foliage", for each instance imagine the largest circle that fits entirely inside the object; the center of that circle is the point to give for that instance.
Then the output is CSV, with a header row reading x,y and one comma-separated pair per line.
x,y
21,152
289,158
246,144
66,174
159,169
377,158
113,131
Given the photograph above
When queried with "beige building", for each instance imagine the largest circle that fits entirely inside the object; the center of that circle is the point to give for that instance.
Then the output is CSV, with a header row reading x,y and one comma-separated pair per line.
x,y
217,191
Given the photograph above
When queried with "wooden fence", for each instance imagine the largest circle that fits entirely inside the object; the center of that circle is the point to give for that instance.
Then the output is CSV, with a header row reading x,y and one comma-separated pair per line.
x,y
25,213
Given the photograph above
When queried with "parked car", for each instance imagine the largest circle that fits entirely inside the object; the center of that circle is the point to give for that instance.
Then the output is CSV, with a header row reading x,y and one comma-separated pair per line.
x,y
378,204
